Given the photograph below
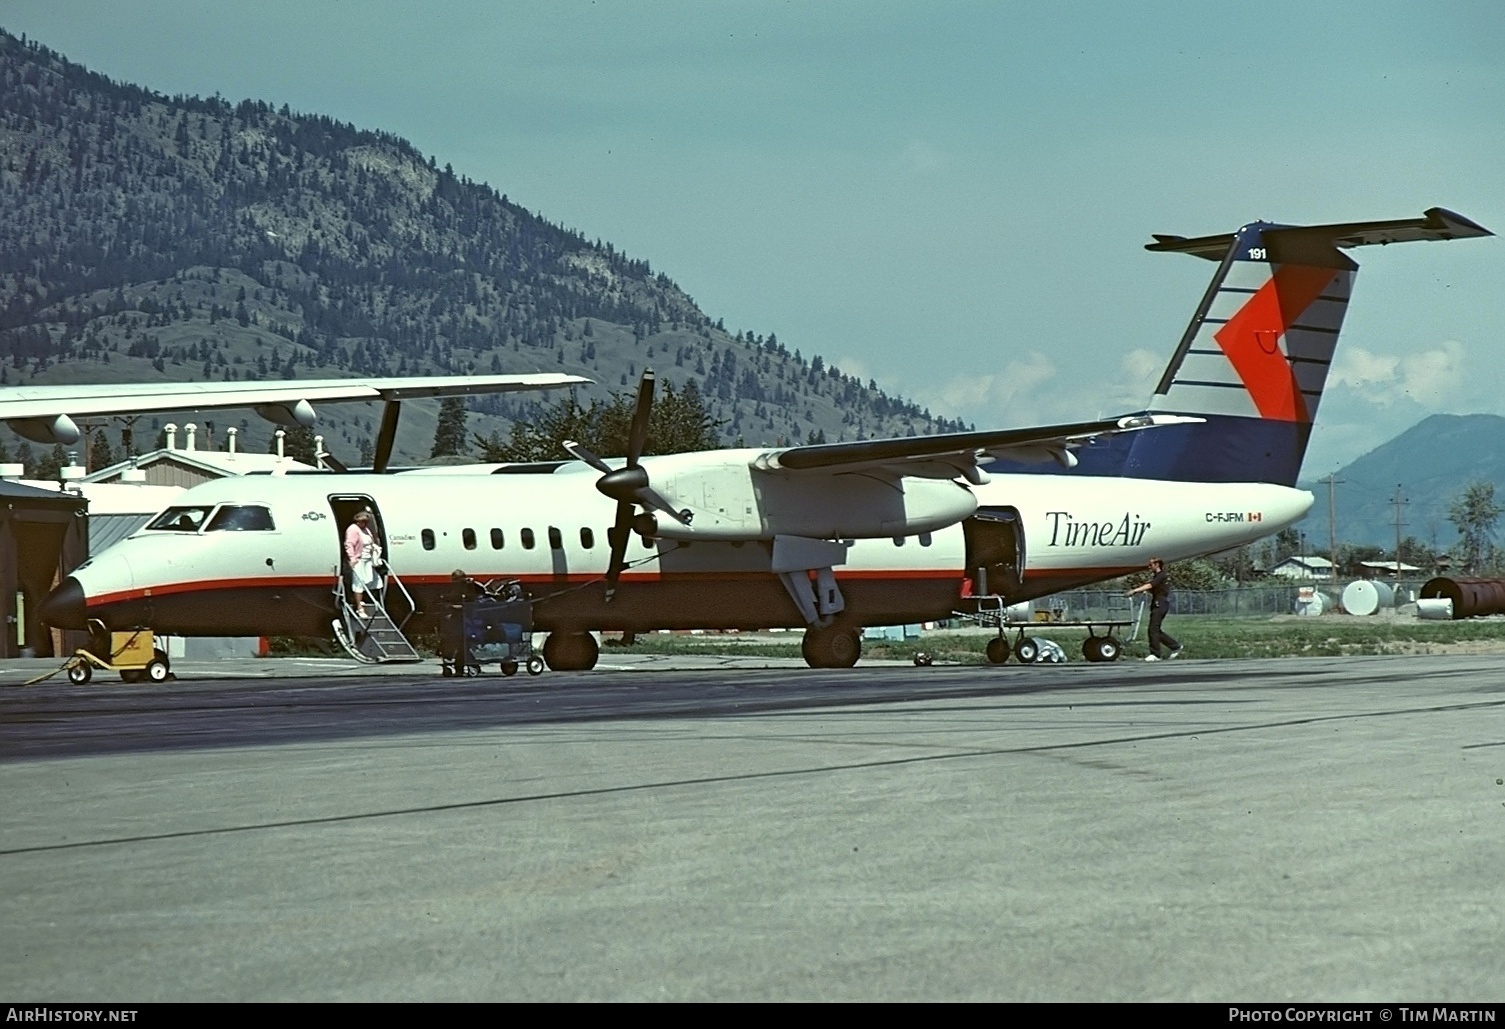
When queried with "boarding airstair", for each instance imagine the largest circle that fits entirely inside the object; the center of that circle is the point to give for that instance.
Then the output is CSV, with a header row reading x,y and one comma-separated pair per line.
x,y
375,639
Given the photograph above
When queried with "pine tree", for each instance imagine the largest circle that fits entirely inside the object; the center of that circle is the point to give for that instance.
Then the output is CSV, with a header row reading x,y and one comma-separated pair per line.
x,y
52,465
679,423
100,454
298,444
449,434
1475,514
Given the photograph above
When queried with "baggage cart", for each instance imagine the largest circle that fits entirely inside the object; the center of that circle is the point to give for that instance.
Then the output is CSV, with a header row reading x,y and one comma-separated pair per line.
x,y
495,625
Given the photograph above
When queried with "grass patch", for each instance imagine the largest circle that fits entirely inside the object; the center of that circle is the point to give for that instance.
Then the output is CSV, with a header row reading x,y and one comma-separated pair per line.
x,y
1203,636
1326,637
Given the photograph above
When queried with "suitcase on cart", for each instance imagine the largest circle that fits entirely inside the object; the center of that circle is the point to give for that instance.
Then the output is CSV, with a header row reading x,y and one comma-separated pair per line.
x,y
495,627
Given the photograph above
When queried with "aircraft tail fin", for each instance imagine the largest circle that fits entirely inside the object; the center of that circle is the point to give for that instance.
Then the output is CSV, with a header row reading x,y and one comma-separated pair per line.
x,y
1253,362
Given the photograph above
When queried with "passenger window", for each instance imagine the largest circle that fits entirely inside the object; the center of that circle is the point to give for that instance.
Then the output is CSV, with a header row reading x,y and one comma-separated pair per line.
x,y
556,541
468,537
496,539
428,539
527,538
587,539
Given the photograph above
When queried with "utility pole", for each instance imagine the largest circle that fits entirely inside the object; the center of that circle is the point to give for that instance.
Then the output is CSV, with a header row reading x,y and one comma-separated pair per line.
x,y
1399,500
1332,522
90,426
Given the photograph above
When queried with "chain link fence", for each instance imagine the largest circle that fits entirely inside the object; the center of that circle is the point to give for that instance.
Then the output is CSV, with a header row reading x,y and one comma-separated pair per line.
x,y
1262,601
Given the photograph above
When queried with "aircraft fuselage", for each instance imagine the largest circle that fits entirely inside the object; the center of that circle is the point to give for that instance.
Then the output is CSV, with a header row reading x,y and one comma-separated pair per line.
x,y
275,574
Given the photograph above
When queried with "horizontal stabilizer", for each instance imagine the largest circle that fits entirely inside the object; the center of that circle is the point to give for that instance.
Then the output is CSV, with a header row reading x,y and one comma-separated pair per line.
x,y
1436,224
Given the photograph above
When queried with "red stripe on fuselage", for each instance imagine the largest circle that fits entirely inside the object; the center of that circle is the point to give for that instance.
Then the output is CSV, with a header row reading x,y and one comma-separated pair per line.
x,y
304,581
1251,339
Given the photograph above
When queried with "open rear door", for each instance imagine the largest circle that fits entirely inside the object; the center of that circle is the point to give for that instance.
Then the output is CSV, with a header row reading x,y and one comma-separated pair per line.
x,y
995,551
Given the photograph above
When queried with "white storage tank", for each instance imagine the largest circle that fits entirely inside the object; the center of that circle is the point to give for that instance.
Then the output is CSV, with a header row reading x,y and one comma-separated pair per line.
x,y
1367,596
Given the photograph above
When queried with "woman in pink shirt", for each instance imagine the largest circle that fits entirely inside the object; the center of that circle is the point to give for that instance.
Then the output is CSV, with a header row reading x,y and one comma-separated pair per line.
x,y
363,553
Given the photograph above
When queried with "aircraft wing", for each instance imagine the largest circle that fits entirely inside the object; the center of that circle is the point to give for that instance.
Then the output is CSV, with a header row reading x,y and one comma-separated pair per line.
x,y
45,413
958,453
126,398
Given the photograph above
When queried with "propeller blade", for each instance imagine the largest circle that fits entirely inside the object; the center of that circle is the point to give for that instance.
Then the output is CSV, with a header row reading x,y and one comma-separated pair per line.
x,y
651,498
580,453
638,436
629,485
620,535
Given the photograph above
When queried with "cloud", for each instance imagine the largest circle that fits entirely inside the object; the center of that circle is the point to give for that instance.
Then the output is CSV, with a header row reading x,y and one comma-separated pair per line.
x,y
920,157
1129,389
1141,365
1434,378
853,366
1018,393
1371,397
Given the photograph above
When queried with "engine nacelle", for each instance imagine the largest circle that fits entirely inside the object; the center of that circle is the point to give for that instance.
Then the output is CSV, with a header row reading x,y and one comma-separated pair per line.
x,y
729,500
57,429
301,413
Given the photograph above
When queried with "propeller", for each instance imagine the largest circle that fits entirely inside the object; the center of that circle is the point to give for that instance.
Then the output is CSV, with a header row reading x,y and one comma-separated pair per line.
x,y
628,485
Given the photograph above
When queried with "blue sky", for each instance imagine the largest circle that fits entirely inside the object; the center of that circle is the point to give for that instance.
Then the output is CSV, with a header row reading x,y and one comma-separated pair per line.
x,y
949,197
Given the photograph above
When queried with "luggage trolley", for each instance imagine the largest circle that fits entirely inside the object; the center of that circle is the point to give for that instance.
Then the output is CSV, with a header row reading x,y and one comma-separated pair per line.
x,y
496,624
994,612
134,654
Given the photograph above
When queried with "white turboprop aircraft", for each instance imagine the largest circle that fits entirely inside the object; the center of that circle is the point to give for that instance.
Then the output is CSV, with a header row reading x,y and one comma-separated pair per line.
x,y
831,537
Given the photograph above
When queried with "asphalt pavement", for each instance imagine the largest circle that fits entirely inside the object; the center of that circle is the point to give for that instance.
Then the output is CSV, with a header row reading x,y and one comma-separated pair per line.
x,y
718,829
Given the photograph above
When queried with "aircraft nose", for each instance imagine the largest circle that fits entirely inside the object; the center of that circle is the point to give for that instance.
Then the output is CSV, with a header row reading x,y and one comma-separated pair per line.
x,y
64,607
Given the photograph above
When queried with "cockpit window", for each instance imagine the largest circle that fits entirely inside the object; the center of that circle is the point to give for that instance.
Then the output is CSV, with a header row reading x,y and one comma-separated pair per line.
x,y
241,519
180,519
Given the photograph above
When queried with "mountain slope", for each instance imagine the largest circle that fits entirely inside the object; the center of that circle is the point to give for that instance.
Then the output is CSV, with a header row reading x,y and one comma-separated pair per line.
x,y
145,237
1433,463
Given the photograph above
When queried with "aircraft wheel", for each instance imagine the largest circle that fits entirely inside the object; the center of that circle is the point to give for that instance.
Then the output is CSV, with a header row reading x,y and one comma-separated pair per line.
x,y
831,647
156,670
80,672
509,667
446,672
1026,651
998,651
922,659
571,651
535,665
1109,648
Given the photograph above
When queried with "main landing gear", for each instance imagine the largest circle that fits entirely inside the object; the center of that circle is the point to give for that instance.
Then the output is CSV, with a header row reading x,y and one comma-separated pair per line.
x,y
836,646
571,651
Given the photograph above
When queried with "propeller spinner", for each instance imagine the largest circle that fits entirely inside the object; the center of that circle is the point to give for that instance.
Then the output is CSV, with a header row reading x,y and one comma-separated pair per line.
x,y
628,485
